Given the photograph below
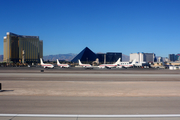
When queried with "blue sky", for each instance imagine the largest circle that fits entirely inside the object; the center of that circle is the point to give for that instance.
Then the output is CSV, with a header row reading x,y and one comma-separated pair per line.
x,y
68,26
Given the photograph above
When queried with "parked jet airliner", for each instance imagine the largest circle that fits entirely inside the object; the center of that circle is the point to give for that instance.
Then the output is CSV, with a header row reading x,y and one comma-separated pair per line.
x,y
126,64
46,65
110,65
84,65
62,65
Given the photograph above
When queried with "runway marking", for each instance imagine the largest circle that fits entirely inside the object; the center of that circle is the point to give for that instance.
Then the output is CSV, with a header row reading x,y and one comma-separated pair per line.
x,y
91,116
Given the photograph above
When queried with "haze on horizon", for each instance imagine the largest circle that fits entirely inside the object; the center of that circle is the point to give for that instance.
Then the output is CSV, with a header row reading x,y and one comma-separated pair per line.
x,y
68,26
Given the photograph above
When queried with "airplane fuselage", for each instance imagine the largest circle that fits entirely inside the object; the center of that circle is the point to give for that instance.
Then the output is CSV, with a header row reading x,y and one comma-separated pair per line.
x,y
107,66
47,65
125,65
86,65
63,66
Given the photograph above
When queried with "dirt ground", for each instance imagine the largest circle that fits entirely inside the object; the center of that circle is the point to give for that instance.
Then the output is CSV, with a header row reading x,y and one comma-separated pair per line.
x,y
89,83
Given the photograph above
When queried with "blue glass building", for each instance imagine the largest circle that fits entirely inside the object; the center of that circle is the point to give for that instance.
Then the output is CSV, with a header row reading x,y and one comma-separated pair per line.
x,y
85,56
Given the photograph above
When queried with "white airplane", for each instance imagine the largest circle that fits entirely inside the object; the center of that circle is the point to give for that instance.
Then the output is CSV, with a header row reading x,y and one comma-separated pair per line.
x,y
142,64
46,65
84,65
110,65
126,64
62,65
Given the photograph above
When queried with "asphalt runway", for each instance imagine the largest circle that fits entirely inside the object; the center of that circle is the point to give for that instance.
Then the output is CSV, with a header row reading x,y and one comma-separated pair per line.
x,y
89,105
76,70
79,91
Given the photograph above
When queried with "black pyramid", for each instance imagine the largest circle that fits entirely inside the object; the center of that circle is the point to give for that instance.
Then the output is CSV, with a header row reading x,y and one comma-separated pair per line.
x,y
86,55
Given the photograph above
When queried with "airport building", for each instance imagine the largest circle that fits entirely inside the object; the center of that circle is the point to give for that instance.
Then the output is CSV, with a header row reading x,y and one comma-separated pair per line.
x,y
172,57
88,56
109,57
149,57
178,57
112,57
101,57
160,59
21,48
142,57
138,56
177,63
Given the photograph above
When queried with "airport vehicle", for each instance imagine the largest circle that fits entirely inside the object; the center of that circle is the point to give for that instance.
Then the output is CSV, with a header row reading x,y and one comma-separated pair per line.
x,y
62,65
126,64
84,65
109,66
142,64
46,65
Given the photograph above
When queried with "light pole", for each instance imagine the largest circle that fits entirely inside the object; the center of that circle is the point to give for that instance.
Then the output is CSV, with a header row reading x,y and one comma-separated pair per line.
x,y
23,53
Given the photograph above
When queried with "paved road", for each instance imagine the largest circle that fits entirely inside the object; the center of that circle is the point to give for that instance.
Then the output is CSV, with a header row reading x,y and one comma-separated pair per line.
x,y
79,92
88,77
88,117
88,71
89,105
58,84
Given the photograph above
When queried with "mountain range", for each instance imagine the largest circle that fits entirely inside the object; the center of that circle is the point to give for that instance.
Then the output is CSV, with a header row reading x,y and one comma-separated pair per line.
x,y
70,56
67,57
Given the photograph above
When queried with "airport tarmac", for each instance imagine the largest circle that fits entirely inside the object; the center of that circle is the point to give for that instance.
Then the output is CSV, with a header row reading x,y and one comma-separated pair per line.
x,y
79,91
89,71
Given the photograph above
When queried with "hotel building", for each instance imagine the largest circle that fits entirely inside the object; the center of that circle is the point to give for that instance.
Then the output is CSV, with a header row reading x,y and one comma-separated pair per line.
x,y
20,48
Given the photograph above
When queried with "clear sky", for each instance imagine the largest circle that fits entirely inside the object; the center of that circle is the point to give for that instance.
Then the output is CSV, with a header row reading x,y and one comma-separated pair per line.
x,y
68,26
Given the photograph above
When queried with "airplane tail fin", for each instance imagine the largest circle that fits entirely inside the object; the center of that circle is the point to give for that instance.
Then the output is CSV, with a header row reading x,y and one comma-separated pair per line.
x,y
58,62
80,62
41,61
133,62
118,61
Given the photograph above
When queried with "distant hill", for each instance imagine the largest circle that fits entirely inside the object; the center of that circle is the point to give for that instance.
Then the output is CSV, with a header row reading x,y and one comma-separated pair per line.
x,y
125,58
1,57
67,57
70,56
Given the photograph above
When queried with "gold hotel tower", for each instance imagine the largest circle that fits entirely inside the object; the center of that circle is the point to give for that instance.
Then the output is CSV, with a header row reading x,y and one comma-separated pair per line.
x,y
20,48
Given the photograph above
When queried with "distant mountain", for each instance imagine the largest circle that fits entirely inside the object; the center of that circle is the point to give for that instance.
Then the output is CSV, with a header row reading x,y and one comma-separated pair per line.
x,y
125,58
1,57
70,56
67,57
